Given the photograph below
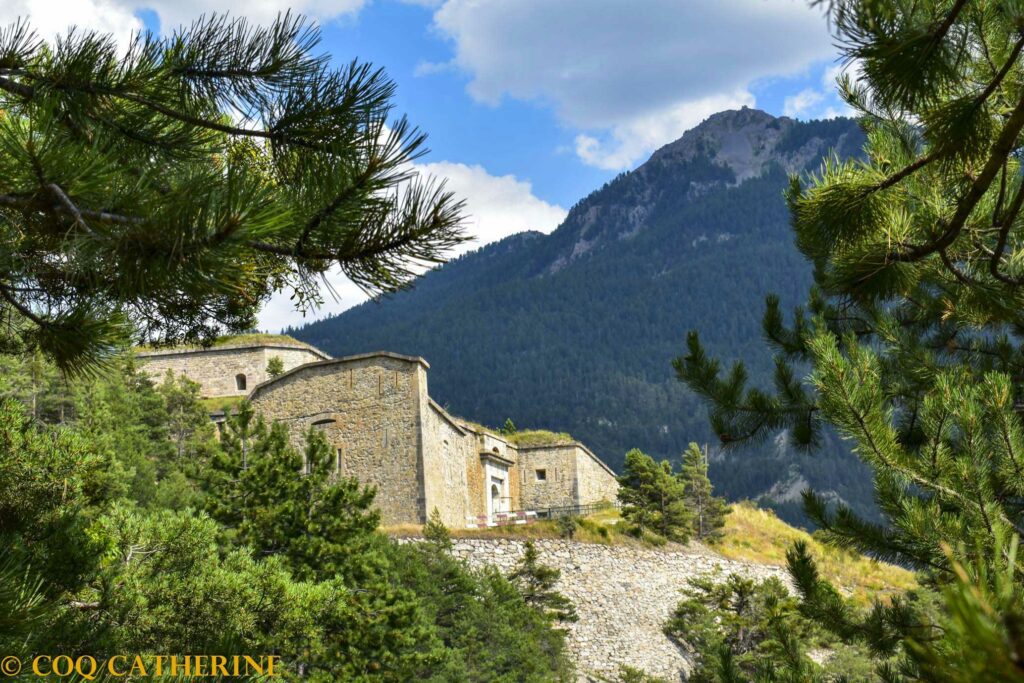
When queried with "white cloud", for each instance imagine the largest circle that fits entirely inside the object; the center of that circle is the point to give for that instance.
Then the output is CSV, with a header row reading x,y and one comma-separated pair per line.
x,y
611,66
831,75
50,17
823,103
497,206
802,102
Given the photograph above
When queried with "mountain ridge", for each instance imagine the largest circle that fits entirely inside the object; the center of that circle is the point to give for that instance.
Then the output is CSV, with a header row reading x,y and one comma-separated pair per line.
x,y
575,330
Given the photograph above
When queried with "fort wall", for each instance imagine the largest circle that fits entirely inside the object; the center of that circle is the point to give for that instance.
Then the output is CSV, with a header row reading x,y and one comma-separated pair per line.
x,y
217,369
376,412
596,481
369,409
557,465
447,449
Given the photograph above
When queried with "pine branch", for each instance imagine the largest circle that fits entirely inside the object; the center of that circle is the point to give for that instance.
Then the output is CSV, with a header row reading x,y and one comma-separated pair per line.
x,y
1000,150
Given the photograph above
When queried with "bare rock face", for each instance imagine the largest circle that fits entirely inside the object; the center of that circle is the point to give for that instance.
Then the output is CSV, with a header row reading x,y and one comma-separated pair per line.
x,y
623,596
743,141
725,150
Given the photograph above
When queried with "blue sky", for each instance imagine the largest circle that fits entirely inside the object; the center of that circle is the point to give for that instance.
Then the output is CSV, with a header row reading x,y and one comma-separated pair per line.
x,y
531,104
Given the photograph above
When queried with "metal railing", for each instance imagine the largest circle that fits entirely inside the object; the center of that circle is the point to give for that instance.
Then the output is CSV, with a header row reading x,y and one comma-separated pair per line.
x,y
509,517
575,510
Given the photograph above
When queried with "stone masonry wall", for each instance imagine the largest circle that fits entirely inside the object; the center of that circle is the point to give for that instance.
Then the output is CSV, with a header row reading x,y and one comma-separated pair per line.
x,y
446,451
215,369
558,488
596,482
623,596
369,410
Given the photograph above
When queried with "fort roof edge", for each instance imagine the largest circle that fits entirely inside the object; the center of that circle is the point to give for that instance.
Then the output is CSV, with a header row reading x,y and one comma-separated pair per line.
x,y
183,350
339,361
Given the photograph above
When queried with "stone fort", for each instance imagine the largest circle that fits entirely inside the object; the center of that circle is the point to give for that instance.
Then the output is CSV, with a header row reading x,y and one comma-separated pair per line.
x,y
386,431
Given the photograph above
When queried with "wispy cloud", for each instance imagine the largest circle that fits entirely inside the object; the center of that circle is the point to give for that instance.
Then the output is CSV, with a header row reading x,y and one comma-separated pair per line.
x,y
629,79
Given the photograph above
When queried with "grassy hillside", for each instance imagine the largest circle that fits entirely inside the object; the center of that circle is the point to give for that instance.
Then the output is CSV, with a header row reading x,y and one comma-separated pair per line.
x,y
752,534
757,535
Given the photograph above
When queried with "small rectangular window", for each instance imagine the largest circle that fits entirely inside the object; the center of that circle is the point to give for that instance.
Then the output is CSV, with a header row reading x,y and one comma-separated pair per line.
x,y
542,475
337,464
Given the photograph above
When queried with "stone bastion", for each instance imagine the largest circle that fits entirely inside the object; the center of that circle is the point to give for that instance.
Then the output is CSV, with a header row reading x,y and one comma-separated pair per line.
x,y
623,595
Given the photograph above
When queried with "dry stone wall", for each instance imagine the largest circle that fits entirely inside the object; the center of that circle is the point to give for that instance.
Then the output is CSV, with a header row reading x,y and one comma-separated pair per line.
x,y
623,596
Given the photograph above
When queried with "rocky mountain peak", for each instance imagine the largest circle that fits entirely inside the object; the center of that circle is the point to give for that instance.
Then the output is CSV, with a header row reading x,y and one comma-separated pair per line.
x,y
744,140
725,150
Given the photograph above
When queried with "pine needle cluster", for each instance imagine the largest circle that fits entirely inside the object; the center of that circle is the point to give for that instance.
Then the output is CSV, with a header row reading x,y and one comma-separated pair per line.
x,y
913,332
162,192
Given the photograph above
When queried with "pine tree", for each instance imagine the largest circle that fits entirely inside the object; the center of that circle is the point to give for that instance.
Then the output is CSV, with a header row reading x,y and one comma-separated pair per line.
x,y
708,510
275,366
508,428
913,331
654,497
188,422
436,533
166,191
281,501
536,583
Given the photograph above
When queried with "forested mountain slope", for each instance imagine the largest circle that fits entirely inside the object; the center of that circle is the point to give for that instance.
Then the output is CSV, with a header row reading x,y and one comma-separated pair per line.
x,y
575,331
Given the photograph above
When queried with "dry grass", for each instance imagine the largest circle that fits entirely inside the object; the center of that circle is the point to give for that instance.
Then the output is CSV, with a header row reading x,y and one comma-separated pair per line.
x,y
539,437
751,535
757,535
252,338
597,528
220,403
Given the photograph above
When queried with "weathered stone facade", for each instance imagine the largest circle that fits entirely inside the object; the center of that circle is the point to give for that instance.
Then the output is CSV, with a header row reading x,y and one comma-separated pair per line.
x,y
377,414
623,595
368,408
228,370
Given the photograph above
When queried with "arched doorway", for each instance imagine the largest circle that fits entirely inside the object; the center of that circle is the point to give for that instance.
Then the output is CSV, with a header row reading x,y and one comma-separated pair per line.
x,y
495,499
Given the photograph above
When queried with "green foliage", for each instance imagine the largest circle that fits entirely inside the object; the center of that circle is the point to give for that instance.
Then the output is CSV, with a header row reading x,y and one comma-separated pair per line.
x,y
913,330
629,674
52,484
739,629
488,631
654,498
436,533
567,526
279,501
708,511
24,610
275,366
165,191
536,583
288,563
981,640
508,428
